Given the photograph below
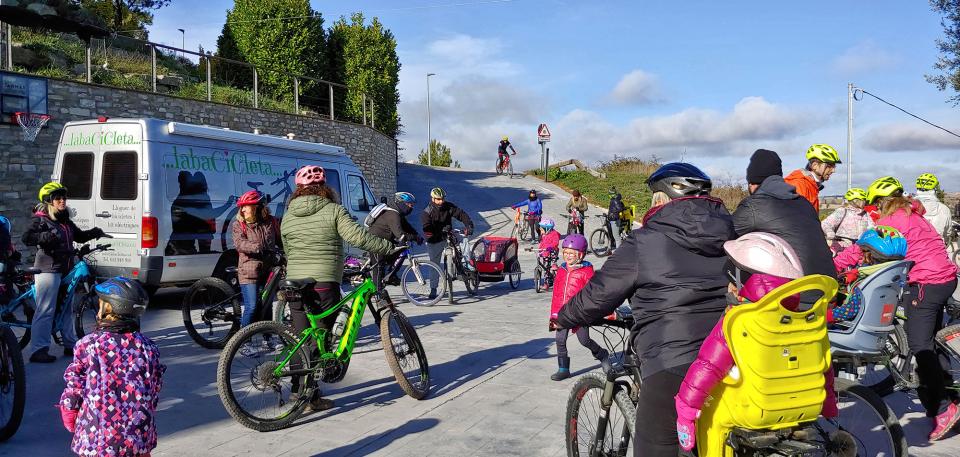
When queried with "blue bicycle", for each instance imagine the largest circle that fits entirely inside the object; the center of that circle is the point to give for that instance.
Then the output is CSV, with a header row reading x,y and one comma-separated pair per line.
x,y
76,288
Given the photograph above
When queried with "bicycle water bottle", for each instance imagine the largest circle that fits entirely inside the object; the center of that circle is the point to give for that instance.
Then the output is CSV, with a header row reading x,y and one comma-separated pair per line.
x,y
341,322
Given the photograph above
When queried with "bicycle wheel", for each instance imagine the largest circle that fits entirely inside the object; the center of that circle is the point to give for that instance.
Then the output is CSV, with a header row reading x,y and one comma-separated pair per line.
x,y
405,353
865,416
525,234
514,274
499,167
896,372
248,388
600,242
85,314
538,283
418,290
13,387
584,414
211,312
282,314
471,281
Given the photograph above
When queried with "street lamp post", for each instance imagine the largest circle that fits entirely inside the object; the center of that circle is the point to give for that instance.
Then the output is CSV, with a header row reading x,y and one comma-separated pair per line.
x,y
183,41
429,138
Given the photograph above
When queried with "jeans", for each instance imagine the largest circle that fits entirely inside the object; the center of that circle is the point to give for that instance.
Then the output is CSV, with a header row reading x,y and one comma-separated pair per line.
x,y
249,293
583,335
435,250
48,286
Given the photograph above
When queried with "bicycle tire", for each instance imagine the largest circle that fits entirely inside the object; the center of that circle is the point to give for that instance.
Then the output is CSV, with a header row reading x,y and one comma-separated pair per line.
x,y
12,360
209,293
538,280
419,298
412,346
28,311
499,167
525,234
514,274
600,243
225,386
282,315
847,389
899,371
85,315
575,424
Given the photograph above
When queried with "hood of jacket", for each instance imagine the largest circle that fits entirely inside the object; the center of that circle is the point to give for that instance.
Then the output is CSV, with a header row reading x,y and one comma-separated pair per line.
x,y
307,205
931,203
776,187
692,223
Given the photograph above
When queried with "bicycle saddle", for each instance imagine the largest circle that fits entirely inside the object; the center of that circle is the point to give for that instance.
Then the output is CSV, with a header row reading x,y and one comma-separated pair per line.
x,y
298,284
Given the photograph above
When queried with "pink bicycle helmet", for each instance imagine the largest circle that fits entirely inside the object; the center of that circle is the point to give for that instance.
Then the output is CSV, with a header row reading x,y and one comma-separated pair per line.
x,y
251,197
760,252
574,241
309,174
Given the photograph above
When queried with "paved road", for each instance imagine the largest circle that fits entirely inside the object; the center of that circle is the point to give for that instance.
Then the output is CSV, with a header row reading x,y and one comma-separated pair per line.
x,y
490,361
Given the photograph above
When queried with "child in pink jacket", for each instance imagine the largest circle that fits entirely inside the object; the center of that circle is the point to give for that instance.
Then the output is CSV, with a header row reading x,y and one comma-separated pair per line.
x,y
572,275
780,264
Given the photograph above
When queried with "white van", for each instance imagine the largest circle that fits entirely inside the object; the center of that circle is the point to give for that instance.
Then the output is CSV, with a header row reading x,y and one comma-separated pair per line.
x,y
167,191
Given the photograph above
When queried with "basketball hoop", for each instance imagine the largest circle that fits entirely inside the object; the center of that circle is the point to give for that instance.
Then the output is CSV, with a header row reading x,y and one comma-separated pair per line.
x,y
31,123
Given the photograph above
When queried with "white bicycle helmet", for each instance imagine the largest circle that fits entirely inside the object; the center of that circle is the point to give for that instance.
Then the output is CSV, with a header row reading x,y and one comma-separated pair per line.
x,y
761,252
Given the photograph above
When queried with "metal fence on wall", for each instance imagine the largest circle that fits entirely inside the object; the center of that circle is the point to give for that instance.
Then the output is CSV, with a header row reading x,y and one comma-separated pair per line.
x,y
131,63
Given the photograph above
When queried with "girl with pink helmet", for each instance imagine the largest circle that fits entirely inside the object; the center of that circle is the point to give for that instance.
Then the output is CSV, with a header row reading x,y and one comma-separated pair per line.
x,y
772,263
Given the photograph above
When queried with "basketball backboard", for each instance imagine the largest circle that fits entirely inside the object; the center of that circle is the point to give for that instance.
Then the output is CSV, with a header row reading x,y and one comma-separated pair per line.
x,y
21,93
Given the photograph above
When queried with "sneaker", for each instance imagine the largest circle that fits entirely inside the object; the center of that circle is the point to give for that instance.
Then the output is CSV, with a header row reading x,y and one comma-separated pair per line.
x,y
944,422
42,356
249,349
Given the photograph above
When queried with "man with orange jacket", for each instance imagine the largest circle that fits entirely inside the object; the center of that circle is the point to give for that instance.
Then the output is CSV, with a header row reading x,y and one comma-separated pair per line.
x,y
822,161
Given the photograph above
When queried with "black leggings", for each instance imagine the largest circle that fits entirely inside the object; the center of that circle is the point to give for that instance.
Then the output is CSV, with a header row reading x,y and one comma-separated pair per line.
x,y
534,223
583,335
656,425
924,304
323,294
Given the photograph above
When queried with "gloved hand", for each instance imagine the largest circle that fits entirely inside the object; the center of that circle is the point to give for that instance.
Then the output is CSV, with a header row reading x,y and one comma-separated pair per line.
x,y
686,424
97,232
467,231
69,418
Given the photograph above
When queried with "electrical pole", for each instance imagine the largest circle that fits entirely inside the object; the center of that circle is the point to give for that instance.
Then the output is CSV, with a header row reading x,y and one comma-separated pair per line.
x,y
849,135
429,138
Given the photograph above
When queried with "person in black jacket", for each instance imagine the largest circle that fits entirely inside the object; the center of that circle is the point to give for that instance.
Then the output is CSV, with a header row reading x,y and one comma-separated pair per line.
x,y
613,214
53,233
438,215
671,270
392,225
774,206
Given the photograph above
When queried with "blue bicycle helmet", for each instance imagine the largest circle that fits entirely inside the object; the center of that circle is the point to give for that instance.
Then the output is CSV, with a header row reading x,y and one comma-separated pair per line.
x,y
547,223
126,296
404,197
884,243
679,179
5,224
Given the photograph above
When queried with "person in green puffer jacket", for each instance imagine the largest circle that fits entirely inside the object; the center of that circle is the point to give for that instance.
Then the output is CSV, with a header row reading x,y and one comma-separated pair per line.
x,y
313,230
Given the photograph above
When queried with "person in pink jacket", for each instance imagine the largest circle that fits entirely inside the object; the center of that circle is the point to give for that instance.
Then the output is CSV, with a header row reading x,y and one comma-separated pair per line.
x,y
572,275
772,263
931,282
549,239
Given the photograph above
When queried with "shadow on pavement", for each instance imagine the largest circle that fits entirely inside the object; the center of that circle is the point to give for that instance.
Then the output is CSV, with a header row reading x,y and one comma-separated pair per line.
x,y
379,441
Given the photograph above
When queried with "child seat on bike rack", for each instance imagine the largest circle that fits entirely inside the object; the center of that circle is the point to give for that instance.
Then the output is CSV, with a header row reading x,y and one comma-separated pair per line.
x,y
780,356
865,334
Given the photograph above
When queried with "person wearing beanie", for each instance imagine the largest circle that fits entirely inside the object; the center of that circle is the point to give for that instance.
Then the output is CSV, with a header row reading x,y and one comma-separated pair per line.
x,y
774,206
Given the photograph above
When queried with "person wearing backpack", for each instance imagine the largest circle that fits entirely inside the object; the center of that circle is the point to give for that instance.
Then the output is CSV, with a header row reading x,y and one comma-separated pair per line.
x,y
389,221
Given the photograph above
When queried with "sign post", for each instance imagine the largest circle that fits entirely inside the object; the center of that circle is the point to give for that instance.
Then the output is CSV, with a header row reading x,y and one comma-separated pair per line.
x,y
543,137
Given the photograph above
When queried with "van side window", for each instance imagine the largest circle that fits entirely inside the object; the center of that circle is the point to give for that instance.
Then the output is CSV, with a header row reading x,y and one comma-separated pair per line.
x,y
119,177
358,198
77,174
333,180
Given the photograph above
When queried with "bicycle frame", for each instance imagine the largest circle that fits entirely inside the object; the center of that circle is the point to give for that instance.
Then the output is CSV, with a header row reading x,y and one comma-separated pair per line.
x,y
80,274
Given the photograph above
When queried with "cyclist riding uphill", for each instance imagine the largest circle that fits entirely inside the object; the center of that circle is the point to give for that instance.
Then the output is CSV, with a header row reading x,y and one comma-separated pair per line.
x,y
572,275
438,215
313,230
502,149
772,263
774,206
877,245
822,161
845,225
931,282
937,213
114,381
534,210
390,223
671,270
53,233
550,238
256,235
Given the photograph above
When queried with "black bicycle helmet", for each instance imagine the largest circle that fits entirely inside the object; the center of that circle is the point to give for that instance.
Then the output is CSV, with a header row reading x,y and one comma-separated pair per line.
x,y
126,296
679,179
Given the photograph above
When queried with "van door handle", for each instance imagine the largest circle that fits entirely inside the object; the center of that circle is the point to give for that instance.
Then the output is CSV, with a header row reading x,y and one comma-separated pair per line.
x,y
103,214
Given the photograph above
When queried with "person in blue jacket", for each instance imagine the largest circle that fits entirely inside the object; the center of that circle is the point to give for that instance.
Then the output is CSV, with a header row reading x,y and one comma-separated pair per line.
x,y
534,211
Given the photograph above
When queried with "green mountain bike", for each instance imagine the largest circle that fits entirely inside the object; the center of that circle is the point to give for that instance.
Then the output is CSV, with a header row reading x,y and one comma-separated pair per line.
x,y
267,375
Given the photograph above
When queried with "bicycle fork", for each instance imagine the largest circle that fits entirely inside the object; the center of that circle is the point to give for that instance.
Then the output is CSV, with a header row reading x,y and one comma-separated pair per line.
x,y
606,402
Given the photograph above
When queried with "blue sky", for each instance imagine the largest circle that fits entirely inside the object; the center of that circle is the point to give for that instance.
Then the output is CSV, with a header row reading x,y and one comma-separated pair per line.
x,y
706,82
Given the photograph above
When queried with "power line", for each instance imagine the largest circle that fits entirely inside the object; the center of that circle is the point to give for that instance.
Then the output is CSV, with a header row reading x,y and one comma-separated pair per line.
x,y
905,111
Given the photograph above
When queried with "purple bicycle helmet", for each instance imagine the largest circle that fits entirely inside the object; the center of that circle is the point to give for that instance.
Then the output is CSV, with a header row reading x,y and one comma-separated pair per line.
x,y
574,241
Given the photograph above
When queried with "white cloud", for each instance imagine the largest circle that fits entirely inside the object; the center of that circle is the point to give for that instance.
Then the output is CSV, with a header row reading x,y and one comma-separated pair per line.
x,y
909,137
636,88
864,57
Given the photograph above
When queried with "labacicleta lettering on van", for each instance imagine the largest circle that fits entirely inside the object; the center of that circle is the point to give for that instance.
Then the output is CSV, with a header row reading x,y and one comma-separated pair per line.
x,y
220,161
100,138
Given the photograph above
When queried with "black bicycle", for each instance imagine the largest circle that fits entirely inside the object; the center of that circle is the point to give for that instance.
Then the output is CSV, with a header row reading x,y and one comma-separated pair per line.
x,y
13,388
602,240
212,308
545,272
457,267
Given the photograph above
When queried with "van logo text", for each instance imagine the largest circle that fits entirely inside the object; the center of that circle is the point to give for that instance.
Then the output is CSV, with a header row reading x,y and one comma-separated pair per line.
x,y
220,162
100,138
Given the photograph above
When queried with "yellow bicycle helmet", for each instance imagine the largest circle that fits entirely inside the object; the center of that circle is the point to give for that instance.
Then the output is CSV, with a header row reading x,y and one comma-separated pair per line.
x,y
855,193
437,192
46,192
884,187
505,138
927,181
824,153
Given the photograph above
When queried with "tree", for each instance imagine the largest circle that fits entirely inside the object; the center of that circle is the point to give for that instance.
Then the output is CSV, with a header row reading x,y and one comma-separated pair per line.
x,y
949,61
440,156
364,58
293,45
